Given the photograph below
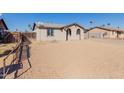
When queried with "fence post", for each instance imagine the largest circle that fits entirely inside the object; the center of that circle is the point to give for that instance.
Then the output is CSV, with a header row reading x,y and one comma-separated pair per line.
x,y
4,69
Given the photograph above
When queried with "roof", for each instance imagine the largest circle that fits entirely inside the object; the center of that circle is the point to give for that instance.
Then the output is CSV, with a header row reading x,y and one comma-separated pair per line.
x,y
47,25
55,26
108,29
72,25
2,23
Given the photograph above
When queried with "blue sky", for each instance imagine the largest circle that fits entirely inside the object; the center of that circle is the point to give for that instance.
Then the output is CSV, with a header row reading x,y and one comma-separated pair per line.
x,y
22,20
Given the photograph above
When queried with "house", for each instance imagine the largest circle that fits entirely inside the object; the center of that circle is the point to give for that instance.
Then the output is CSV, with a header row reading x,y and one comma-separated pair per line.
x,y
49,31
3,28
102,32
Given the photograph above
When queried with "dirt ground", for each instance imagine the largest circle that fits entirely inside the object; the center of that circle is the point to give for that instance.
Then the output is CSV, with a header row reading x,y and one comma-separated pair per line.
x,y
76,59
4,47
4,50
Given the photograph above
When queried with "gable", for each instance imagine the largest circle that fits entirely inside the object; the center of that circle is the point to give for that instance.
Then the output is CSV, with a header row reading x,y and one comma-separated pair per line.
x,y
3,25
73,25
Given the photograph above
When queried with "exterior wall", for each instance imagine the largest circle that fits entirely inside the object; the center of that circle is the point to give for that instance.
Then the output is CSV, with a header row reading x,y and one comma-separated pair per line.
x,y
113,34
101,33
59,35
41,34
121,36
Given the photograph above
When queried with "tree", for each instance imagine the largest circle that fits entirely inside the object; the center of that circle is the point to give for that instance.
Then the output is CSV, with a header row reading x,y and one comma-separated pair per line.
x,y
118,27
16,30
91,22
30,27
103,25
108,24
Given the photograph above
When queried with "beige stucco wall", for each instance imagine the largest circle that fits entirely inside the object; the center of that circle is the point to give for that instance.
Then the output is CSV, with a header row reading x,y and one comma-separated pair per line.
x,y
113,34
42,35
101,33
59,34
121,36
74,36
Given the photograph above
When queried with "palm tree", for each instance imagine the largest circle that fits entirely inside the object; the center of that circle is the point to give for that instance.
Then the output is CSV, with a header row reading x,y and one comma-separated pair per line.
x,y
30,27
16,30
118,27
103,25
108,24
91,22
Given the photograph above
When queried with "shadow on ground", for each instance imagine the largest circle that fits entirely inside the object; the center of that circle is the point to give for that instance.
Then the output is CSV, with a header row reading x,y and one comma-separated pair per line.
x,y
12,68
23,55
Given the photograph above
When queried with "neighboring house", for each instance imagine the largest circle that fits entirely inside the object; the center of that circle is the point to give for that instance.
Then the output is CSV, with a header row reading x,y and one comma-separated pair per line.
x,y
3,28
49,32
102,32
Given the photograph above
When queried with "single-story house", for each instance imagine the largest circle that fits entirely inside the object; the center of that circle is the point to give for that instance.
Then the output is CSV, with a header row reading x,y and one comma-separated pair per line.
x,y
49,31
3,28
102,32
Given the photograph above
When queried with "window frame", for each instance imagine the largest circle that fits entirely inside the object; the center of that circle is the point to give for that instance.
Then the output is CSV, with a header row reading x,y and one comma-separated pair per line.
x,y
50,32
78,32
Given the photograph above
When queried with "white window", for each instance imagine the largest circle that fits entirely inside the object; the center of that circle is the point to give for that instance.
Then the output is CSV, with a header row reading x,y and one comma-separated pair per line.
x,y
50,32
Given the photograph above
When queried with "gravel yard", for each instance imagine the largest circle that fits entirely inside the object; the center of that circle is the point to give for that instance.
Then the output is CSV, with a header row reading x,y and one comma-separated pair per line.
x,y
76,59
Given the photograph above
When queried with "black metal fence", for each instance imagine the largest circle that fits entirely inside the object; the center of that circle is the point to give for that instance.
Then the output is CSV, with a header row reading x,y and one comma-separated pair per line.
x,y
17,54
30,35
